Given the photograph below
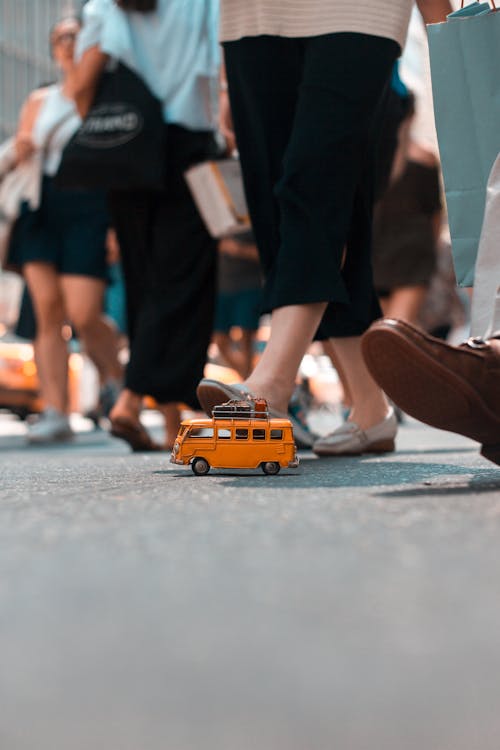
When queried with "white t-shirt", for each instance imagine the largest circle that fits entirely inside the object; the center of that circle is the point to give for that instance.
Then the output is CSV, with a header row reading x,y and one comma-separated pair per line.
x,y
304,18
175,50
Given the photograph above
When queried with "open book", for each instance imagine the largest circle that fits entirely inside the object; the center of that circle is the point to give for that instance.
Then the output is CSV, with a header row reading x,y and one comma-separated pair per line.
x,y
217,189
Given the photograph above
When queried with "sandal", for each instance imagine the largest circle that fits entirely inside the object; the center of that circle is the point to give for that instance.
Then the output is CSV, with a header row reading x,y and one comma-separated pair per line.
x,y
135,435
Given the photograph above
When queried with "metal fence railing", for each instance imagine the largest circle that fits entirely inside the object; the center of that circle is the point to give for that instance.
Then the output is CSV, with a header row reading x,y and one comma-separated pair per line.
x,y
24,51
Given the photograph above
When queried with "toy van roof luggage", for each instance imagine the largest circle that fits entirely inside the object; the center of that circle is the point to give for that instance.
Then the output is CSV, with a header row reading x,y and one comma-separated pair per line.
x,y
256,409
240,435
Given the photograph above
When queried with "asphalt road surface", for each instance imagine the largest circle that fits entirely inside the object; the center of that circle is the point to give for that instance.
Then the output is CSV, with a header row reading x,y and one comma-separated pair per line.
x,y
352,605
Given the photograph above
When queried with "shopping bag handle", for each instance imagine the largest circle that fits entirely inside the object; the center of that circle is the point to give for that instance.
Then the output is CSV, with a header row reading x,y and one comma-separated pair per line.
x,y
492,2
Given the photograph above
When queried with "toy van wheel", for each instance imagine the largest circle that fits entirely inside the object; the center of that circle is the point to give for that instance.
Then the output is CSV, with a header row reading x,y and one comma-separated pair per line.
x,y
200,467
270,467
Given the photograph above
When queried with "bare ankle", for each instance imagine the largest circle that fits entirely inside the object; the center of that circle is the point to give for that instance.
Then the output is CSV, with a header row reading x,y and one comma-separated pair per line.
x,y
369,414
277,395
128,405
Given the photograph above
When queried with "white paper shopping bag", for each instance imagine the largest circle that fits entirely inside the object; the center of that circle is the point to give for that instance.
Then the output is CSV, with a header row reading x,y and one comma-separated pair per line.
x,y
465,65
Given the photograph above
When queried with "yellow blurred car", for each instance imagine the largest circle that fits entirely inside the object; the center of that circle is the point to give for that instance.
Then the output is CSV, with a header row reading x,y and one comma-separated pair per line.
x,y
18,379
19,387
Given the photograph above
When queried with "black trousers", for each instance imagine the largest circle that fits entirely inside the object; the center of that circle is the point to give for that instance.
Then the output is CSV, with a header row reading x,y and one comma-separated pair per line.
x,y
307,114
169,263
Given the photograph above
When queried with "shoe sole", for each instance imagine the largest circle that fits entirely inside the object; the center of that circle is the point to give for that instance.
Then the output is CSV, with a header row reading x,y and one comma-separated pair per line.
x,y
381,446
211,393
429,391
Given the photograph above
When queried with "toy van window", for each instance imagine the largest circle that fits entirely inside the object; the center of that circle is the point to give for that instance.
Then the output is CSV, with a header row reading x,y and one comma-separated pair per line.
x,y
201,432
241,434
259,434
276,434
224,434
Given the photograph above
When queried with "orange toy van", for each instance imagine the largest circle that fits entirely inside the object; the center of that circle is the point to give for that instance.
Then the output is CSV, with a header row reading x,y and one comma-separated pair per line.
x,y
240,435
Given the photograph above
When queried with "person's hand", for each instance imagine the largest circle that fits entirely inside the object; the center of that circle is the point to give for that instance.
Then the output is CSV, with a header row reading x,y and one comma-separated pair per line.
x,y
236,249
25,147
434,11
226,121
112,247
229,246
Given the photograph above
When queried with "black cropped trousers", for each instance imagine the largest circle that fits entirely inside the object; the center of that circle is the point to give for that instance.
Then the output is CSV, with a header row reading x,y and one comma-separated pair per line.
x,y
169,263
307,115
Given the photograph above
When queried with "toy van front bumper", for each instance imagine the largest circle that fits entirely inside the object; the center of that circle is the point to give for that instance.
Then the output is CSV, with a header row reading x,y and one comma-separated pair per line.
x,y
294,464
174,460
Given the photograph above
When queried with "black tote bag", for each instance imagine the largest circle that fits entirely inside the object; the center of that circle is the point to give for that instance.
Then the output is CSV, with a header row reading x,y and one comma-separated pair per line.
x,y
121,142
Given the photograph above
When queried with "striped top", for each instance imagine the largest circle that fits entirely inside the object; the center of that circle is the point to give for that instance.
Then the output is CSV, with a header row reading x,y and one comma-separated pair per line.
x,y
303,18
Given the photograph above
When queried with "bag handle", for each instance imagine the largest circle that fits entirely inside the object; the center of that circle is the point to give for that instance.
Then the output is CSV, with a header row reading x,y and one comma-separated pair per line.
x,y
492,2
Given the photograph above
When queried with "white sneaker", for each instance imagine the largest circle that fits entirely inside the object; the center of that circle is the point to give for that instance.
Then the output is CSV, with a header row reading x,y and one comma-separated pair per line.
x,y
51,427
350,440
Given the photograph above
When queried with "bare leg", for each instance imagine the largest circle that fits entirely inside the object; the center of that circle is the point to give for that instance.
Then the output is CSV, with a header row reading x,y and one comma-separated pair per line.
x,y
231,357
84,298
51,353
247,342
172,415
329,350
128,406
370,405
105,332
292,330
405,303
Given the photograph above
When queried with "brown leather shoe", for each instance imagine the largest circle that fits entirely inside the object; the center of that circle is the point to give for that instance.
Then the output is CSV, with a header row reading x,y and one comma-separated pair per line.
x,y
451,388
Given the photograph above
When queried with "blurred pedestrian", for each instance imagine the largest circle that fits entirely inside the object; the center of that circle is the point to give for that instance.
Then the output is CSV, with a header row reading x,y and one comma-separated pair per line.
x,y
406,229
61,249
239,298
307,84
169,260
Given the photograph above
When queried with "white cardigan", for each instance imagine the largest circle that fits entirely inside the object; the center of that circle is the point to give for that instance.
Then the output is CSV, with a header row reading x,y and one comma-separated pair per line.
x,y
16,185
305,18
